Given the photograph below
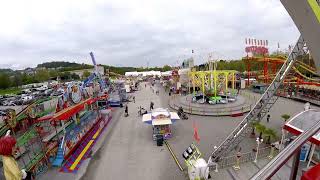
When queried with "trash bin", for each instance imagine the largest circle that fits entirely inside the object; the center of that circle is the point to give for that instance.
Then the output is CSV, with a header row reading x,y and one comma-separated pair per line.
x,y
159,140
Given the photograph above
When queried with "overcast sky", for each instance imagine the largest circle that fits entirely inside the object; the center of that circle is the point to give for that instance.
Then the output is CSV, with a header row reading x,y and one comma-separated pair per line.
x,y
136,32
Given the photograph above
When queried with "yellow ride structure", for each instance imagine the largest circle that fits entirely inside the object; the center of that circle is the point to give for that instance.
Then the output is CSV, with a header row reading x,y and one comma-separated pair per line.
x,y
213,80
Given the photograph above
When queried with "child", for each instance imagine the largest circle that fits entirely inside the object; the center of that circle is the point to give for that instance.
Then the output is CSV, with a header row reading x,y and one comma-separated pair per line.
x,y
10,166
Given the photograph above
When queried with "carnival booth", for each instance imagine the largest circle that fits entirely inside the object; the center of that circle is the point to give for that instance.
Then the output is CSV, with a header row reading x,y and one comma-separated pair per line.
x,y
161,121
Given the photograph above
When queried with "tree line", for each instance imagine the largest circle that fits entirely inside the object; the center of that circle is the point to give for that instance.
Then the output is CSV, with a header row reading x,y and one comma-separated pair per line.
x,y
52,70
17,79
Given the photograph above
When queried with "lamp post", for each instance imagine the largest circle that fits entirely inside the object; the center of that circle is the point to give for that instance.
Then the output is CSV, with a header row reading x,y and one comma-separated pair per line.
x,y
216,169
259,141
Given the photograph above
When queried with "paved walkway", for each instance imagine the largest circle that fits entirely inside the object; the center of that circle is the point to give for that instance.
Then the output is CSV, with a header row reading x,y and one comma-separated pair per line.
x,y
130,152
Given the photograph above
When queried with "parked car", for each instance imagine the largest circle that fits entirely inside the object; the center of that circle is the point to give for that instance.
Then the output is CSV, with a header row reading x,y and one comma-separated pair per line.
x,y
11,103
26,98
26,91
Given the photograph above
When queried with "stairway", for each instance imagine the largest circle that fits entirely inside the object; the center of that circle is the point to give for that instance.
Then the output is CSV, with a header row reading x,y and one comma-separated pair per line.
x,y
60,155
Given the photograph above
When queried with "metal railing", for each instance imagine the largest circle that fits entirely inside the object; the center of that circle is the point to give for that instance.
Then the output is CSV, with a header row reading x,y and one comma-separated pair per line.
x,y
214,112
245,157
209,111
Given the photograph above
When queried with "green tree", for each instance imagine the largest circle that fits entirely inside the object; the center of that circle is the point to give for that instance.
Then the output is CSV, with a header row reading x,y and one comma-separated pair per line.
x,y
75,76
42,75
285,117
27,79
17,80
86,74
65,75
53,73
253,125
166,68
4,81
261,129
271,134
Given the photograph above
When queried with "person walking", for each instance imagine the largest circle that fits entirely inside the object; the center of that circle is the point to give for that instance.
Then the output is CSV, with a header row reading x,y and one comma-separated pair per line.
x,y
151,105
126,111
134,99
140,111
268,117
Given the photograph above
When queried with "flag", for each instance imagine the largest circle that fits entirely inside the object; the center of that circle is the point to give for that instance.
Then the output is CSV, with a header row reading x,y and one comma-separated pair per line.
x,y
195,133
255,42
278,46
249,41
266,42
246,41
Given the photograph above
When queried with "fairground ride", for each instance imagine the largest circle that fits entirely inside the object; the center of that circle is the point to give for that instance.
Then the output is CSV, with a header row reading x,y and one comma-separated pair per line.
x,y
306,16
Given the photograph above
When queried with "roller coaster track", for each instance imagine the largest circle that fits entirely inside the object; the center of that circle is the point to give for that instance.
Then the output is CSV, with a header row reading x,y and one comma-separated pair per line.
x,y
306,16
304,76
307,67
261,107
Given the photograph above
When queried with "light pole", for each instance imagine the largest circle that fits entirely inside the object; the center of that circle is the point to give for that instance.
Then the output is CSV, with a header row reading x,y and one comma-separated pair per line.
x,y
259,141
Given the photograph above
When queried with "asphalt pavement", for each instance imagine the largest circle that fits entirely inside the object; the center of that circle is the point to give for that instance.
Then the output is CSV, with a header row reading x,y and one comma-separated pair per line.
x,y
130,153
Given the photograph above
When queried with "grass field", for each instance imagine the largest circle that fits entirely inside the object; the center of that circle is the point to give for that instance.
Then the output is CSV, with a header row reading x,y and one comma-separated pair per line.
x,y
9,91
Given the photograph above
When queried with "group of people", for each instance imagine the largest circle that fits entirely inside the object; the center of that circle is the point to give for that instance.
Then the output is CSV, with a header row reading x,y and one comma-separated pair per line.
x,y
126,109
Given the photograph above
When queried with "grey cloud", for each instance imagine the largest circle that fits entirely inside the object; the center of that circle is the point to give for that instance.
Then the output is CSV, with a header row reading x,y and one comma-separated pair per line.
x,y
120,34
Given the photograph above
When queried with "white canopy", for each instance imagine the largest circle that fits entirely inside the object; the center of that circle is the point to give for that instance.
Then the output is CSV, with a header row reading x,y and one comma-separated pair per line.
x,y
165,121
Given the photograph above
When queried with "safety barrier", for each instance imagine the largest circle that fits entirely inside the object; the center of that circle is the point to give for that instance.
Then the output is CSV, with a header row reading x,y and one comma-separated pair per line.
x,y
245,157
209,112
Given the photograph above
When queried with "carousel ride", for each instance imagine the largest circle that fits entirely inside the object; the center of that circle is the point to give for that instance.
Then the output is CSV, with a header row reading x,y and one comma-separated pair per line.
x,y
214,93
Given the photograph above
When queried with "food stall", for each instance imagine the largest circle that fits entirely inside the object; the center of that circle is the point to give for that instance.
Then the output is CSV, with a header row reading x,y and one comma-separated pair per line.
x,y
161,120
